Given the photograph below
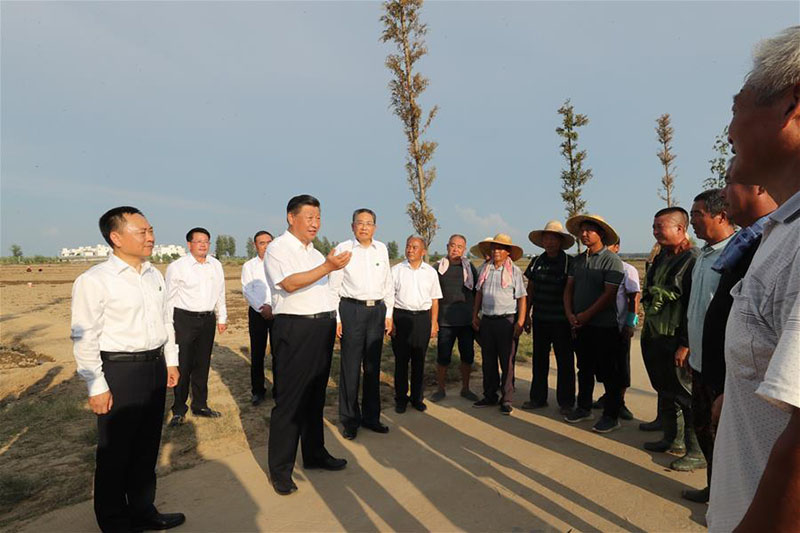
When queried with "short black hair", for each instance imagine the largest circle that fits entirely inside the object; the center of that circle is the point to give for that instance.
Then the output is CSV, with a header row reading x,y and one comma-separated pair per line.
x,y
260,233
714,201
297,203
192,231
111,220
364,210
674,210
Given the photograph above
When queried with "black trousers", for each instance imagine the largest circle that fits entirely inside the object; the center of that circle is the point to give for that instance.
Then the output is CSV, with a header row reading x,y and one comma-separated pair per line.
x,y
599,355
302,354
673,385
446,339
194,336
362,343
703,396
259,328
128,439
559,336
410,344
498,346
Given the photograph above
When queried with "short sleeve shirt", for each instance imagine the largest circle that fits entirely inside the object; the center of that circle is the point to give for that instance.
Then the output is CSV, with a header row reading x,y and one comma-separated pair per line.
x,y
592,272
499,300
548,277
762,354
630,285
415,288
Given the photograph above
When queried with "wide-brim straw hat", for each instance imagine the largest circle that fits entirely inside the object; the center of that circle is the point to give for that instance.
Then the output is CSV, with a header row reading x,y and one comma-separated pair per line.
x,y
555,227
485,246
475,251
574,227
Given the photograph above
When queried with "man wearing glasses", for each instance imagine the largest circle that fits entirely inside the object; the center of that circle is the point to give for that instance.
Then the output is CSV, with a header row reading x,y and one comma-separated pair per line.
x,y
366,297
196,296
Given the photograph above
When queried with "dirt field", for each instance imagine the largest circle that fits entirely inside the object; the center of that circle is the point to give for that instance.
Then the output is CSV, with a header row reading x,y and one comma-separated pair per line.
x,y
451,468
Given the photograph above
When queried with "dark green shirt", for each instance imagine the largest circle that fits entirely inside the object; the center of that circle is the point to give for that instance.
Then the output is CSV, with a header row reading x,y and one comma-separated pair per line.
x,y
549,277
591,274
455,307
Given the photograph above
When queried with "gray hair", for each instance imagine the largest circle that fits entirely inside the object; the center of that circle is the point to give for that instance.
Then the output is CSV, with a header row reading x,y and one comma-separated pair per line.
x,y
364,210
457,236
417,237
776,65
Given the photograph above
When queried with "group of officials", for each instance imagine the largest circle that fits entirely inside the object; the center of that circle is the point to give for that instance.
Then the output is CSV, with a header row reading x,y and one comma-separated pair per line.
x,y
720,338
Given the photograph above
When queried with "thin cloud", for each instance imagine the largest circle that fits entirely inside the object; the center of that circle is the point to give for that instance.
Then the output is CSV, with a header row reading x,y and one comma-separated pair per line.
x,y
490,223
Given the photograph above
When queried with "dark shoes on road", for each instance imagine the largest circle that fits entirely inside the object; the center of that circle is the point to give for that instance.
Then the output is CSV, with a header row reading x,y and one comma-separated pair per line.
x,y
159,521
327,463
176,421
699,495
206,412
284,488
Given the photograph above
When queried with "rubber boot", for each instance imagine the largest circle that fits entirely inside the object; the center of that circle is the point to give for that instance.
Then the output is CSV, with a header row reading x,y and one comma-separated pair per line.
x,y
672,441
655,425
694,458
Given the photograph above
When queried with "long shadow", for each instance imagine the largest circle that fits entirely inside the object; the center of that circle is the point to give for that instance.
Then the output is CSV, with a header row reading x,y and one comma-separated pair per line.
x,y
35,388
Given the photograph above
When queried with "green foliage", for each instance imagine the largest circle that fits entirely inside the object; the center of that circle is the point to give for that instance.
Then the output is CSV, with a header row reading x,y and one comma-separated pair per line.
x,y
16,250
324,246
665,131
393,250
403,28
30,260
435,257
226,246
719,164
574,177
251,249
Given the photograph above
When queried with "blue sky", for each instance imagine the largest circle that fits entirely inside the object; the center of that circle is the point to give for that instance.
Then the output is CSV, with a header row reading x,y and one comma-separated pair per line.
x,y
214,114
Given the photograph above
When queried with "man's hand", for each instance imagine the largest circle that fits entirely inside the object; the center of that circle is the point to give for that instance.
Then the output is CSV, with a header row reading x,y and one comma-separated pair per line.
x,y
527,325
100,404
518,329
434,329
393,332
222,327
716,409
337,262
172,376
627,332
339,330
476,323
581,319
681,356
573,320
266,312
388,325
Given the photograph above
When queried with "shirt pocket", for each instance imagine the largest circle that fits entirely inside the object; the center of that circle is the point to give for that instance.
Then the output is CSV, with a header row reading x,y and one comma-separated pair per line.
x,y
748,345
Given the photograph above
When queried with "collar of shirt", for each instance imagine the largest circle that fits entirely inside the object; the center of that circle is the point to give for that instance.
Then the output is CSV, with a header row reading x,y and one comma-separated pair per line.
x,y
193,260
355,244
119,266
788,211
297,243
406,264
739,244
709,249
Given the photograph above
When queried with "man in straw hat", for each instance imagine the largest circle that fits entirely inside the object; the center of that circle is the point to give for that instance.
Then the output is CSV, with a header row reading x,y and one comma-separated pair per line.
x,y
547,277
501,300
589,302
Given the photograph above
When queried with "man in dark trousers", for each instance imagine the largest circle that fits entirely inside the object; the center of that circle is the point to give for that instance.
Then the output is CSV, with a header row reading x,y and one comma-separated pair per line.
x,y
124,347
365,294
259,314
303,332
457,279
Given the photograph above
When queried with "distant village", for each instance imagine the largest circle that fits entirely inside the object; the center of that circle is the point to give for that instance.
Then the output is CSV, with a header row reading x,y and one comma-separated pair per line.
x,y
101,251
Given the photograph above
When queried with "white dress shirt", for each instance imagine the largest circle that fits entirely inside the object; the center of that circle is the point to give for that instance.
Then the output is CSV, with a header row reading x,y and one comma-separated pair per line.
x,y
254,284
196,286
414,289
368,275
285,256
117,309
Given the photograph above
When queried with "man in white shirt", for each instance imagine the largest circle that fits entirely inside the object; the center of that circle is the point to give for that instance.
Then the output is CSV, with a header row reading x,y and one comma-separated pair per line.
x,y
365,293
304,332
125,351
416,312
196,294
755,485
259,314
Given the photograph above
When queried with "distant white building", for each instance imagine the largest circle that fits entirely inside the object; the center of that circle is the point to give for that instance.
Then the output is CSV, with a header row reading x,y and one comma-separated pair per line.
x,y
103,251
169,249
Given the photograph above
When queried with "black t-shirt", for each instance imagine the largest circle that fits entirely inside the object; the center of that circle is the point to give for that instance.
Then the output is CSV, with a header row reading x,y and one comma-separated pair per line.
x,y
549,277
455,307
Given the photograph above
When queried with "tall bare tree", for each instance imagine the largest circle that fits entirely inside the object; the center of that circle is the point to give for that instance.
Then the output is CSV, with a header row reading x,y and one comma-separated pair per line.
x,y
664,131
719,163
574,177
402,27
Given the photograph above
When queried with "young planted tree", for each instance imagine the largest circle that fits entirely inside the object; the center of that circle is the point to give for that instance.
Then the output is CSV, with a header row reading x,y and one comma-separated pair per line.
x,y
393,250
574,177
16,251
719,163
251,249
403,28
664,131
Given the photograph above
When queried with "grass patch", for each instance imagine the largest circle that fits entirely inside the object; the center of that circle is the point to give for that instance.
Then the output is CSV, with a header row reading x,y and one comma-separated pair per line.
x,y
15,488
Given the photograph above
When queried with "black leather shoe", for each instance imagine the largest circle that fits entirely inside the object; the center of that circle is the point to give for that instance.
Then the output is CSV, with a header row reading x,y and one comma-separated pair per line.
x,y
377,427
419,406
256,399
349,433
284,488
176,421
159,521
400,408
206,412
328,463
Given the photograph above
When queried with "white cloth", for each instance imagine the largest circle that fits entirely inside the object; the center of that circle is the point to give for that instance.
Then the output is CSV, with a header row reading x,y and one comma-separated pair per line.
x,y
495,299
117,309
368,275
196,286
415,289
762,354
630,285
254,284
285,256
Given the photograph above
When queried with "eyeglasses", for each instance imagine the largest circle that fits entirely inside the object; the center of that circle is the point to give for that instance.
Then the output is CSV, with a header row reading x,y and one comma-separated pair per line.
x,y
363,224
200,242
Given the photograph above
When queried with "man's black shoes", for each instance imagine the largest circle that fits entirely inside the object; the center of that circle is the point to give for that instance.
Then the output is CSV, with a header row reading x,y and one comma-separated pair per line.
x,y
206,412
327,463
377,427
159,521
257,399
419,405
349,432
284,488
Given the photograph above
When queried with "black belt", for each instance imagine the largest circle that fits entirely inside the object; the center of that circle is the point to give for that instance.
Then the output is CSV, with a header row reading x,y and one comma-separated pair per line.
x,y
195,313
496,317
407,312
327,314
132,357
365,303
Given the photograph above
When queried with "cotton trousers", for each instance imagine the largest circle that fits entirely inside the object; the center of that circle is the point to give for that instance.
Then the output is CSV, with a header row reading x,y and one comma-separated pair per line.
x,y
703,396
194,335
498,347
302,352
259,328
362,343
128,439
559,336
410,344
599,356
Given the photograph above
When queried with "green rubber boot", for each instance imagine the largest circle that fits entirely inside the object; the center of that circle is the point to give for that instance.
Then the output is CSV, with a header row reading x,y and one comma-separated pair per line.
x,y
672,441
694,458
